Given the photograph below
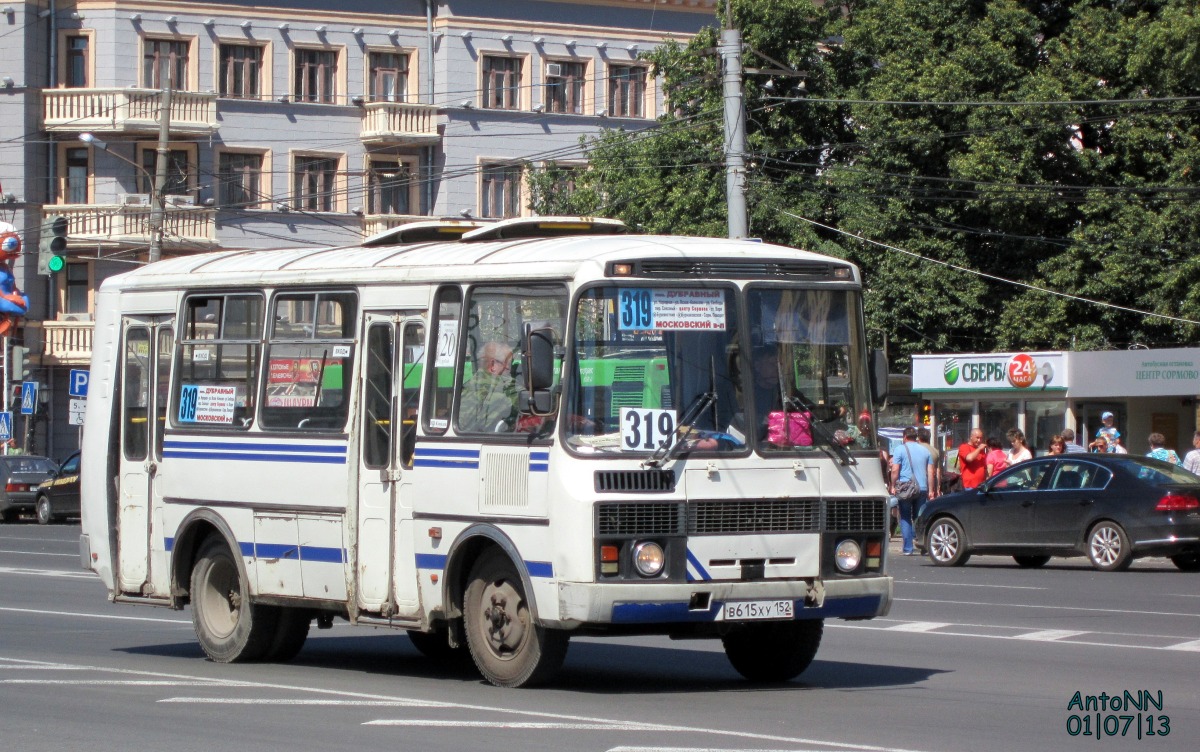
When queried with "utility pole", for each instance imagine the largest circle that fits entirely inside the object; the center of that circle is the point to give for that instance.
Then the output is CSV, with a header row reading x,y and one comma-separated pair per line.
x,y
159,207
735,127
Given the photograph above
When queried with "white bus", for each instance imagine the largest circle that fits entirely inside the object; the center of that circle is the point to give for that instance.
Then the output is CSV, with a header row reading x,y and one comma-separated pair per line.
x,y
493,440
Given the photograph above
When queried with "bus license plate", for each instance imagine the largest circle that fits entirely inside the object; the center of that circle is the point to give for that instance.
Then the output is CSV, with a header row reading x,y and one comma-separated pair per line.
x,y
752,610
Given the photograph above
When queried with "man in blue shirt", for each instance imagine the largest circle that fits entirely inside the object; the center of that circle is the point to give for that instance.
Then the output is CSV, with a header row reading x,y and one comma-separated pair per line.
x,y
912,462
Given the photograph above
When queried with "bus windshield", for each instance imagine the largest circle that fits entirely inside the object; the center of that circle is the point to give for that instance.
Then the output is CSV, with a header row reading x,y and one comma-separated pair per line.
x,y
660,366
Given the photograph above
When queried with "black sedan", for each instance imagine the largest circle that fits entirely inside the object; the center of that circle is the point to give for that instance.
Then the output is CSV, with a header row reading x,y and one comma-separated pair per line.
x,y
20,475
58,497
1111,508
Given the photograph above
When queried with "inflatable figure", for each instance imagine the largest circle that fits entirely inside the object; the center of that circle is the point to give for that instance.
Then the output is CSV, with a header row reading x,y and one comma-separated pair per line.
x,y
14,304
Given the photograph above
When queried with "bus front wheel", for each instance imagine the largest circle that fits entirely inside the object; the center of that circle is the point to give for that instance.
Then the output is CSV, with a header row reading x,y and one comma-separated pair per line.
x,y
774,651
229,627
508,648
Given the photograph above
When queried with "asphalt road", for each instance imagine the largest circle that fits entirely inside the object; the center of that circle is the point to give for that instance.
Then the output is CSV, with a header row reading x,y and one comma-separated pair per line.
x,y
985,657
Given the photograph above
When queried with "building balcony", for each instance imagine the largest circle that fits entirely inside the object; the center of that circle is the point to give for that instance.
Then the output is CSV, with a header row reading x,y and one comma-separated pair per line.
x,y
185,228
133,111
65,343
373,224
399,124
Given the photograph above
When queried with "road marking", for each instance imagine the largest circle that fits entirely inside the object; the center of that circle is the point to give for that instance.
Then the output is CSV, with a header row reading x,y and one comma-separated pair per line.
x,y
917,626
43,612
970,584
523,725
1056,608
299,701
699,749
1049,635
36,553
69,574
1193,646
128,682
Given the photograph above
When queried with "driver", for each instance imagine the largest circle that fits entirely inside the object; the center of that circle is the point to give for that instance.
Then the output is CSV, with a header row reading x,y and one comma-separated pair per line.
x,y
489,400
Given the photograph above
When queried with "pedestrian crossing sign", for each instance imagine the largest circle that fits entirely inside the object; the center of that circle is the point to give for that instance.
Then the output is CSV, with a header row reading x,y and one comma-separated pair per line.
x,y
5,426
28,397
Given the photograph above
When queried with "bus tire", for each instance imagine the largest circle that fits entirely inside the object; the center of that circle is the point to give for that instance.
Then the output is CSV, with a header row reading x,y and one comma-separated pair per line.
x,y
508,648
435,646
774,651
228,626
291,630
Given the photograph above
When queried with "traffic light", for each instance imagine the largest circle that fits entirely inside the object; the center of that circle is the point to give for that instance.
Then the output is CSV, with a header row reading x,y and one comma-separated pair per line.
x,y
52,247
20,364
926,413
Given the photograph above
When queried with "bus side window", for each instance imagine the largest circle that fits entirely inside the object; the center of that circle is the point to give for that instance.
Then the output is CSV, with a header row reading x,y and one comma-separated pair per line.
x,y
440,375
218,355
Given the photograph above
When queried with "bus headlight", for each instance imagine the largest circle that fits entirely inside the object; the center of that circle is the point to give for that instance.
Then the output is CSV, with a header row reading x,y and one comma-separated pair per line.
x,y
648,557
848,555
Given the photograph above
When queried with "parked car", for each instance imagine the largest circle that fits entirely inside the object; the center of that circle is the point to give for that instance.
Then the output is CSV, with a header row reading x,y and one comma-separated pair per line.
x,y
58,496
1111,508
21,474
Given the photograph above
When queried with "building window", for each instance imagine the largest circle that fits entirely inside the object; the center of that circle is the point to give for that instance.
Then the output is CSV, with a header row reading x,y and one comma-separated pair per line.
x,y
564,87
163,61
627,91
179,173
77,169
313,187
241,71
501,83
316,76
501,191
388,76
76,73
240,179
76,299
389,188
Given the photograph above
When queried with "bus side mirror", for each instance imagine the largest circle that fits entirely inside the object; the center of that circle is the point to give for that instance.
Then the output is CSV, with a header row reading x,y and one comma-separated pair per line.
x,y
879,376
538,393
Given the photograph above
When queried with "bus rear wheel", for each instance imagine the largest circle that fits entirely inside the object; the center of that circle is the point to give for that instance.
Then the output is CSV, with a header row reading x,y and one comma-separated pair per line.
x,y
508,648
774,651
229,627
291,631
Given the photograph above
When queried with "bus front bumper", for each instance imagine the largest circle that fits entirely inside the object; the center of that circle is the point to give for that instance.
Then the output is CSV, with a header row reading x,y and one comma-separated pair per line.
x,y
693,602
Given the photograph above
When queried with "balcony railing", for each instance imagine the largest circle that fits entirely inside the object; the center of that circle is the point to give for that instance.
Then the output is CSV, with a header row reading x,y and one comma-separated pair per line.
x,y
399,123
65,343
184,227
377,223
127,111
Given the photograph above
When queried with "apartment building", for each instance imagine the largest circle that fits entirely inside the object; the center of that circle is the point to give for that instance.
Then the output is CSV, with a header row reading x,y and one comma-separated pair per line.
x,y
290,123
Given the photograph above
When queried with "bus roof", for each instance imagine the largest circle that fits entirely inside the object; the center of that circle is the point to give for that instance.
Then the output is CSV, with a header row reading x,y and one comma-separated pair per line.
x,y
526,258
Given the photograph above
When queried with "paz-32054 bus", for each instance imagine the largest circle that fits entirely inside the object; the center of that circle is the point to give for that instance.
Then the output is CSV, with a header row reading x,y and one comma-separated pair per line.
x,y
494,438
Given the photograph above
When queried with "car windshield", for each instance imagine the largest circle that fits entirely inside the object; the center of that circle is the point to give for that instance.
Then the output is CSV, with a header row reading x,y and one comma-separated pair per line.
x,y
653,363
1159,473
30,465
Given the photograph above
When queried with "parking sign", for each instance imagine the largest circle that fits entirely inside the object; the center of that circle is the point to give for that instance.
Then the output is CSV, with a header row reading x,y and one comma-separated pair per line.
x,y
79,382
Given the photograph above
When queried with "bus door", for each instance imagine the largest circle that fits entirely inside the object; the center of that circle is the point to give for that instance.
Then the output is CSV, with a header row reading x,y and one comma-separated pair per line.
x,y
147,344
385,569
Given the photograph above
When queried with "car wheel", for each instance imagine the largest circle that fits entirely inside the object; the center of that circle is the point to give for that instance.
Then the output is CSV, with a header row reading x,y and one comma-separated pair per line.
x,y
45,515
1108,547
946,544
1187,562
1031,562
228,626
508,648
775,651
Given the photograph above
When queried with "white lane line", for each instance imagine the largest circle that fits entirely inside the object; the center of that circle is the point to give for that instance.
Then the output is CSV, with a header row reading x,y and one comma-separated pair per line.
x,y
700,749
42,612
1049,635
299,701
128,682
35,553
521,725
1193,646
970,584
918,626
1055,608
70,574
976,635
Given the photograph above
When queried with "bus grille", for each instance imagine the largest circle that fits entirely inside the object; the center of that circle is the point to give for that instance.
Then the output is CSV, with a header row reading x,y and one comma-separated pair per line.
x,y
639,518
635,481
851,515
754,516
629,373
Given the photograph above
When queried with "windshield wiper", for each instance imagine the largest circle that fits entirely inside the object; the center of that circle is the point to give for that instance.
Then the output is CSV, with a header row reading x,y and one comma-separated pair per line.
x,y
666,452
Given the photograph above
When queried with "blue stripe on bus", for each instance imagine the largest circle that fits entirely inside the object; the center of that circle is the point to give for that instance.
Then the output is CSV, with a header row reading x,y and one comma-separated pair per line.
x,y
438,561
322,554
662,613
241,456
540,569
460,464
539,456
700,571
262,447
431,561
535,467
282,551
435,452
247,549
277,551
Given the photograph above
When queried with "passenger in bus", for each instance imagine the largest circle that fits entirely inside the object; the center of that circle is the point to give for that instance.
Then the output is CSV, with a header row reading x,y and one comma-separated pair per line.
x,y
488,403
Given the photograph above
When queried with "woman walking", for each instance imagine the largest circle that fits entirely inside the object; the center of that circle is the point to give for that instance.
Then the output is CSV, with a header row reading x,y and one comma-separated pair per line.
x,y
1020,450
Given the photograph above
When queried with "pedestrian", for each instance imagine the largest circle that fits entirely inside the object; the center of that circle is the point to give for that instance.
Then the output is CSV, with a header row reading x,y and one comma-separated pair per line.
x,y
972,460
1058,445
1109,431
1020,450
997,458
923,437
1116,447
1068,435
1099,445
912,463
1160,452
1191,461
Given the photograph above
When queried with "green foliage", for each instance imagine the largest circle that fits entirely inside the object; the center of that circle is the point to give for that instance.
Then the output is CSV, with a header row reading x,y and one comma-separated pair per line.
x,y
938,127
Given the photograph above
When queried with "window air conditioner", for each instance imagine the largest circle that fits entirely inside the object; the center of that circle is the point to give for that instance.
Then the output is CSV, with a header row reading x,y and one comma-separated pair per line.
x,y
180,200
135,199
553,70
